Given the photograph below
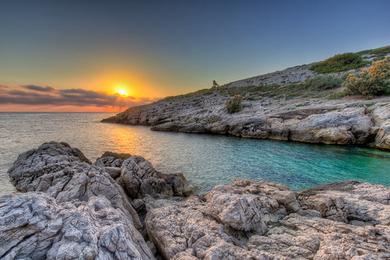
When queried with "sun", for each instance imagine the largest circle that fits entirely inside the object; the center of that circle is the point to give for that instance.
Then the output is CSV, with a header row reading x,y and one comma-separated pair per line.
x,y
122,90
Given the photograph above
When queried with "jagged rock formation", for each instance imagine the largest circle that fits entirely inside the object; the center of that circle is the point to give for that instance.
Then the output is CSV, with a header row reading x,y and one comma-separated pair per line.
x,y
37,226
71,209
138,177
258,220
64,173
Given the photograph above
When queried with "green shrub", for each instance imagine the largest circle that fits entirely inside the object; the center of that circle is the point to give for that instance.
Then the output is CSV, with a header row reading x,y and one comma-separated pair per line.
x,y
381,52
323,83
233,105
371,81
339,62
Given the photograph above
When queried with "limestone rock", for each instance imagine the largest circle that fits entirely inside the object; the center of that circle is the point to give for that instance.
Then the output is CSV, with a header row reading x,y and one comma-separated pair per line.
x,y
260,220
301,237
216,227
49,157
346,126
178,226
36,226
249,206
381,115
138,177
110,159
349,202
65,174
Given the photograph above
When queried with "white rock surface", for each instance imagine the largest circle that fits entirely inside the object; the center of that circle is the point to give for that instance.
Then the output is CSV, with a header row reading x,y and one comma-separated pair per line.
x,y
37,226
64,173
259,220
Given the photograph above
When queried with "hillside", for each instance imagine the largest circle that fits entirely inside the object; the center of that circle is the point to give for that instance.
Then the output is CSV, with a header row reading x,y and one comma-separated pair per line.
x,y
308,103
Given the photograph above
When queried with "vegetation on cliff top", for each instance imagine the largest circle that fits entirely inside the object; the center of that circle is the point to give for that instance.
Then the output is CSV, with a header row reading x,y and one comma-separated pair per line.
x,y
320,86
378,52
339,62
371,81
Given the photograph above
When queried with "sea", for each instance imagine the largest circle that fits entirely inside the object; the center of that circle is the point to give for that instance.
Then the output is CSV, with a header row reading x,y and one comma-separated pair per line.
x,y
205,160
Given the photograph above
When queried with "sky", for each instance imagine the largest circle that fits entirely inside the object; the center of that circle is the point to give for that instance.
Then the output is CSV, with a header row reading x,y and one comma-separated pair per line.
x,y
107,55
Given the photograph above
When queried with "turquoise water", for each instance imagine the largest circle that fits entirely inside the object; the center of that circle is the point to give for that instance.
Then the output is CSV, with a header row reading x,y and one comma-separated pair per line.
x,y
206,160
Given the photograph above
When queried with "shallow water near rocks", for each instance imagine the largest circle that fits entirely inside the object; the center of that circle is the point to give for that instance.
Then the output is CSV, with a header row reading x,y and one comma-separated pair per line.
x,y
206,160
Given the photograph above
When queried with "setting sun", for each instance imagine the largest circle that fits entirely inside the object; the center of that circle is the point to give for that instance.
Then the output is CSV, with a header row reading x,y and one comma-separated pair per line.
x,y
122,90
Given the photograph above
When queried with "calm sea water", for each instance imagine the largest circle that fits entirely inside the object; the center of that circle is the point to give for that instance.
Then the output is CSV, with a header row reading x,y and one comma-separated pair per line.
x,y
205,160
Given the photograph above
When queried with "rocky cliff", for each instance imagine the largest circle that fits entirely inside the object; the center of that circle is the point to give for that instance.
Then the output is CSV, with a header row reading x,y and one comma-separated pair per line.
x,y
120,207
312,120
295,104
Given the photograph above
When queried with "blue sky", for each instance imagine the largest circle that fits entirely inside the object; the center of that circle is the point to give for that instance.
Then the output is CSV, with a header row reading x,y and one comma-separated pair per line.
x,y
171,47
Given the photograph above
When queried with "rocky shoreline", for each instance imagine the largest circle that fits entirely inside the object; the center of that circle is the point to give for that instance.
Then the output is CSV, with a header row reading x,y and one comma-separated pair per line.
x,y
295,104
344,122
120,207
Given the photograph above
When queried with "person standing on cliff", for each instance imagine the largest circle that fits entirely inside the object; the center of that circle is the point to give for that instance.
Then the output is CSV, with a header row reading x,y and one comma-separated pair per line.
x,y
215,84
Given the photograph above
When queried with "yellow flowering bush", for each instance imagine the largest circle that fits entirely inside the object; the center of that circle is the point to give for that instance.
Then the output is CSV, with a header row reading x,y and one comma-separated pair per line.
x,y
371,81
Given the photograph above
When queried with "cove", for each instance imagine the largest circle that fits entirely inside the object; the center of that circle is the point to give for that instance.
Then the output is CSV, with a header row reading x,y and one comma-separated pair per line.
x,y
205,160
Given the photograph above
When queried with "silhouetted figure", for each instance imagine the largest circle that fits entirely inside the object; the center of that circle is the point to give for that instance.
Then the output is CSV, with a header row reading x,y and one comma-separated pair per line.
x,y
215,84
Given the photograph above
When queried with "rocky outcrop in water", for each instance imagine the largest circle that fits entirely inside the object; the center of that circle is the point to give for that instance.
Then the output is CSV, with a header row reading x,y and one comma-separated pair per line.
x,y
122,208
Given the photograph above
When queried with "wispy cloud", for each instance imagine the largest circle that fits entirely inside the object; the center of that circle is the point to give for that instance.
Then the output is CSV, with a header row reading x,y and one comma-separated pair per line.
x,y
46,95
38,88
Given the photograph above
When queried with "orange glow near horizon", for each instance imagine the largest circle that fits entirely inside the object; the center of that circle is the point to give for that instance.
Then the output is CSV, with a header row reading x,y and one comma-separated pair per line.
x,y
122,90
54,108
136,84
104,100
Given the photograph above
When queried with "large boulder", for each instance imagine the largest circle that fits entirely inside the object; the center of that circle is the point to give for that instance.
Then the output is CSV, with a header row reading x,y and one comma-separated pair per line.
x,y
138,177
65,174
37,226
47,158
250,206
